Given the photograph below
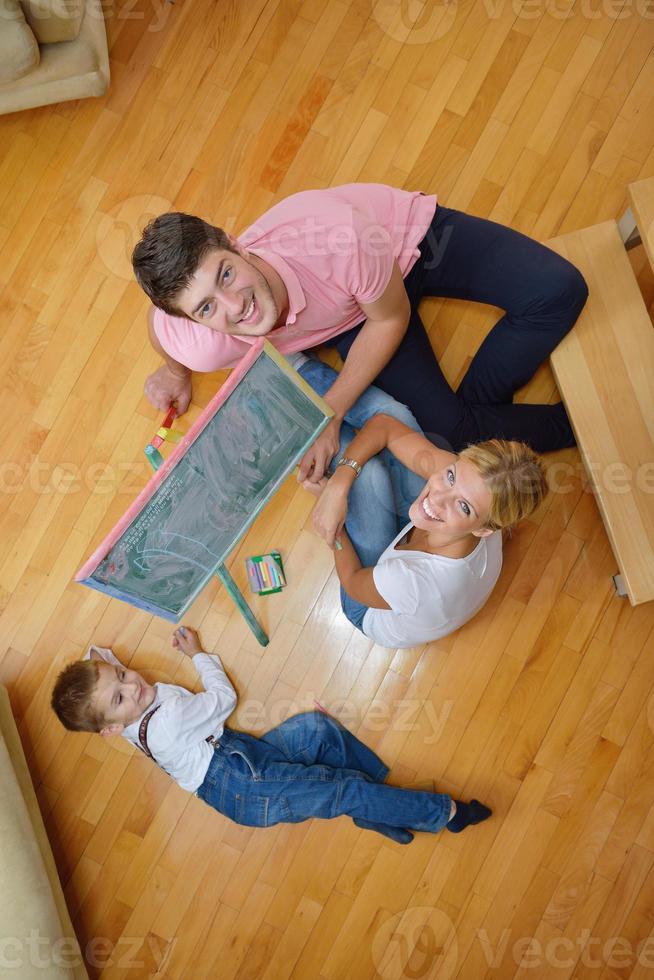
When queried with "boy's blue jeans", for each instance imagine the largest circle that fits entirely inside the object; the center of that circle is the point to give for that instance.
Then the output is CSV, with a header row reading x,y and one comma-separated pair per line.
x,y
310,766
379,501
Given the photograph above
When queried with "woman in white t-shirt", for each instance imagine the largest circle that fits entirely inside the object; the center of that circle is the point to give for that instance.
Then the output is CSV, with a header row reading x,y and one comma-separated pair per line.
x,y
420,559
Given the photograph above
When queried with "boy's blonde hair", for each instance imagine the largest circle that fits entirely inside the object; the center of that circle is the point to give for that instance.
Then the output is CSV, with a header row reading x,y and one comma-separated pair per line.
x,y
515,477
72,697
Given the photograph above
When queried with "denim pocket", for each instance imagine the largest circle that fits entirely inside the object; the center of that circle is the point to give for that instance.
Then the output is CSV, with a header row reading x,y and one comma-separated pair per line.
x,y
241,755
261,811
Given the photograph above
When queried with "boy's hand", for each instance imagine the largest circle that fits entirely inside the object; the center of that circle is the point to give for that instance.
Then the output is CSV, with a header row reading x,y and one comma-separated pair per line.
x,y
187,641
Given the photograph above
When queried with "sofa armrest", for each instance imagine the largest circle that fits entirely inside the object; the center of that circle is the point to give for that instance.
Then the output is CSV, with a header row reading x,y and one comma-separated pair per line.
x,y
32,904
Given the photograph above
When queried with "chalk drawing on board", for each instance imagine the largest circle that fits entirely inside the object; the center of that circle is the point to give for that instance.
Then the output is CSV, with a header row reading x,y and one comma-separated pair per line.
x,y
197,507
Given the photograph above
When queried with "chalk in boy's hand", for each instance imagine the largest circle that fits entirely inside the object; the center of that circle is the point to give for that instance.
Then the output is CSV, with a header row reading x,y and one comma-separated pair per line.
x,y
187,641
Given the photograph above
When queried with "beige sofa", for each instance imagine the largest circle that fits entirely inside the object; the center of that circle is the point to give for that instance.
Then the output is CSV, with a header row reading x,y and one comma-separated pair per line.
x,y
36,934
51,51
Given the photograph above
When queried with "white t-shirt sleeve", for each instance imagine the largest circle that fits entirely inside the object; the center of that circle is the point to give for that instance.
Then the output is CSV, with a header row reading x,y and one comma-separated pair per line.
x,y
189,720
218,687
401,585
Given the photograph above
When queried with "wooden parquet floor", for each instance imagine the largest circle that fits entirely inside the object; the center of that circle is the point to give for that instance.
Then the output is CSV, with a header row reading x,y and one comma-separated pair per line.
x,y
533,114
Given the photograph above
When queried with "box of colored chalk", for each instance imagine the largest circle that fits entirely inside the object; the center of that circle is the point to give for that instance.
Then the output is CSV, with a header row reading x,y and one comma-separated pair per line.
x,y
265,573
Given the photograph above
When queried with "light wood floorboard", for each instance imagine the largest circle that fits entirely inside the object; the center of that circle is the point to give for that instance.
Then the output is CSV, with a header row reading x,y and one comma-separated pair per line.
x,y
535,115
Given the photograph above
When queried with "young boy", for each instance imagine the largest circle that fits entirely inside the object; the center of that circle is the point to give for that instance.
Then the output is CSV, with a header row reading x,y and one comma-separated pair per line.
x,y
309,766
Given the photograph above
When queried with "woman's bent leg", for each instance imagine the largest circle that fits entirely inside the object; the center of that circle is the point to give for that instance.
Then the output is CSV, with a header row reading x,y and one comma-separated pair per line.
x,y
373,401
371,521
371,516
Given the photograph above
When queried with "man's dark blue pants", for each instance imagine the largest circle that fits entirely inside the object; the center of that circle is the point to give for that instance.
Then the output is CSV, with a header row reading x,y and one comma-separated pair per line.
x,y
542,294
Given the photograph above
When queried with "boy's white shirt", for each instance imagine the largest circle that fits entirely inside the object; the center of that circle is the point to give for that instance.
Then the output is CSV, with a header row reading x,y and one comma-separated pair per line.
x,y
177,733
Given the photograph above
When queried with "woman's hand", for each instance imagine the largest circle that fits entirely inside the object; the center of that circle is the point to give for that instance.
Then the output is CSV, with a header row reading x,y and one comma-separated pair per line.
x,y
331,510
187,641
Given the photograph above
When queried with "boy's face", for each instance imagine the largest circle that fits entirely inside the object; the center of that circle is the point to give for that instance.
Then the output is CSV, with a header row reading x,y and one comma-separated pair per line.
x,y
120,696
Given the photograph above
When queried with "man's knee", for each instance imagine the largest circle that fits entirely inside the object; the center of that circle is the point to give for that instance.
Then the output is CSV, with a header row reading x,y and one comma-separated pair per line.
x,y
566,287
575,287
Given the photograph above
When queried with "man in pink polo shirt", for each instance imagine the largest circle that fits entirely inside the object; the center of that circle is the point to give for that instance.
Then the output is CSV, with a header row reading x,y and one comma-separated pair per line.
x,y
347,266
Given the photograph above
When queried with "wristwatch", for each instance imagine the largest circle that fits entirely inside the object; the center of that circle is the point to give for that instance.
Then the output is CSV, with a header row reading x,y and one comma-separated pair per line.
x,y
352,463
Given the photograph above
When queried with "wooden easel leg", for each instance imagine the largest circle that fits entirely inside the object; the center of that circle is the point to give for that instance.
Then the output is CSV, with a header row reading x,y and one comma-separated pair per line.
x,y
225,577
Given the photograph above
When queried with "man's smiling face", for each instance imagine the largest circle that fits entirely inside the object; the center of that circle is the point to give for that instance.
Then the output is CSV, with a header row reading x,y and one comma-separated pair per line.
x,y
120,697
230,293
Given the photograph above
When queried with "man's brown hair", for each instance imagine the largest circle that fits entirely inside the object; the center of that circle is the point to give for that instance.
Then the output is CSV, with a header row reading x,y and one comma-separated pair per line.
x,y
72,697
169,253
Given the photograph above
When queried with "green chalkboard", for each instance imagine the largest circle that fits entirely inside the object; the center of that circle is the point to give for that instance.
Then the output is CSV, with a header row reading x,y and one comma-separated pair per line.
x,y
197,507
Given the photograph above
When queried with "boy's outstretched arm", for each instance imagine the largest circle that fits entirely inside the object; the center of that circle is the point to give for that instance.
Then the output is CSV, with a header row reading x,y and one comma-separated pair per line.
x,y
205,713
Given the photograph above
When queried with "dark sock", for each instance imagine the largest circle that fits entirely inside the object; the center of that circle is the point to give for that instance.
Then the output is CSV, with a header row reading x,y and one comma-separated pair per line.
x,y
397,834
467,814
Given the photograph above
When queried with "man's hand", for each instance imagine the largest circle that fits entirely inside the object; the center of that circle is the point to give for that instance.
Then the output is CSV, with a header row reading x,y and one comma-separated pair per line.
x,y
163,388
316,460
187,641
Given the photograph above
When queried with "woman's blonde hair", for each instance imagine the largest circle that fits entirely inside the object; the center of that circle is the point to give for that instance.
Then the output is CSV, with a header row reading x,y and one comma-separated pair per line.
x,y
515,477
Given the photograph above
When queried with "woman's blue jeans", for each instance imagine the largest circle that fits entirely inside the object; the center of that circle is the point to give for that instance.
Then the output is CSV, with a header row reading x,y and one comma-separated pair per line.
x,y
379,501
310,766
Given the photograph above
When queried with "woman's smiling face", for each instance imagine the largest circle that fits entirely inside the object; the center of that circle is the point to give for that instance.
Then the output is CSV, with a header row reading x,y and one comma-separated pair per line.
x,y
454,502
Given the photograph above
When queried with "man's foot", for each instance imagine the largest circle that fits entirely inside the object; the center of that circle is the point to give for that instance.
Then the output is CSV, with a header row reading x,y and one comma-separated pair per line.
x,y
468,814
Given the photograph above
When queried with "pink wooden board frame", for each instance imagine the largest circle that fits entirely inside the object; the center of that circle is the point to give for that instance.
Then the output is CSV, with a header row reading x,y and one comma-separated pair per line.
x,y
160,475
